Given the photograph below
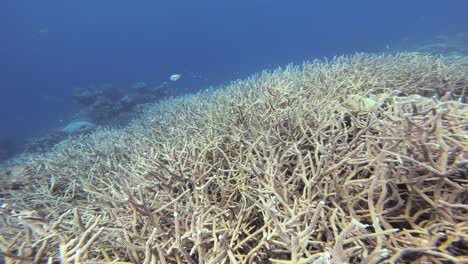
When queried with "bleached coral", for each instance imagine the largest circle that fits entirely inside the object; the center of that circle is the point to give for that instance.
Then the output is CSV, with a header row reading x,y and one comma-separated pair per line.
x,y
276,168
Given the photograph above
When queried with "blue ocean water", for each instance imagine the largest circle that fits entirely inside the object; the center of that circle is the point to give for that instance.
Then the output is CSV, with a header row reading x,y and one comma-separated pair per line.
x,y
50,47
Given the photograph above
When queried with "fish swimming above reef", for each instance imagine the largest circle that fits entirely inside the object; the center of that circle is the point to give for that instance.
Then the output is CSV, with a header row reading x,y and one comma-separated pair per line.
x,y
175,77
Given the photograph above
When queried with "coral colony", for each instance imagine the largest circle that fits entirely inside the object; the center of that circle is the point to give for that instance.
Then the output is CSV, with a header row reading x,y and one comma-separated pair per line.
x,y
360,159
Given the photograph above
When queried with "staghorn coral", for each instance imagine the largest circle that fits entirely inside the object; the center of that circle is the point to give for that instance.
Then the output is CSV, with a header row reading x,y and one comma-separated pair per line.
x,y
278,168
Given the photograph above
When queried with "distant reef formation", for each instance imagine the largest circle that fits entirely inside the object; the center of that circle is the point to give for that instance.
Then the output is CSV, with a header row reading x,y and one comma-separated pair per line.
x,y
448,45
107,105
103,105
358,159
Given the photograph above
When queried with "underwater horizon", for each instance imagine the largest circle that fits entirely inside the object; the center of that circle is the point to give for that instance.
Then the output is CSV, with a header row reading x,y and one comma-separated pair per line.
x,y
49,49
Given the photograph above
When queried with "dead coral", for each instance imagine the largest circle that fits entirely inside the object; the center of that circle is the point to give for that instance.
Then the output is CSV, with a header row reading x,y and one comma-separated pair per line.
x,y
278,168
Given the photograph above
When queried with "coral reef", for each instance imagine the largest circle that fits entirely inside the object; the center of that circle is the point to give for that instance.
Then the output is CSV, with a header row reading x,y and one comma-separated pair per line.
x,y
45,143
450,46
107,105
99,105
361,159
104,105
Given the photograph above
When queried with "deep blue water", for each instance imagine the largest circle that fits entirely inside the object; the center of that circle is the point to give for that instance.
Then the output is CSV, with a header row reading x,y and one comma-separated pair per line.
x,y
49,47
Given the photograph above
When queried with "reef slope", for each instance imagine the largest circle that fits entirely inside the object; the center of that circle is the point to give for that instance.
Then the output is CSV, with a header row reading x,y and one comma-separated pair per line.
x,y
360,159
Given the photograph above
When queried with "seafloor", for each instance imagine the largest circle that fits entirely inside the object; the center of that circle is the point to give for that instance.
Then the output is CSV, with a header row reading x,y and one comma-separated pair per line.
x,y
360,159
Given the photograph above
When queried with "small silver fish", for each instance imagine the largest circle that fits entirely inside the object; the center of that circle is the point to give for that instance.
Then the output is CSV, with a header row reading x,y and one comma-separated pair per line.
x,y
175,77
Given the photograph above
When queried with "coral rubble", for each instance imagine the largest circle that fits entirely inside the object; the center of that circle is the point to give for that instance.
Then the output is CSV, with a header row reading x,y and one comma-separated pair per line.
x,y
361,159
